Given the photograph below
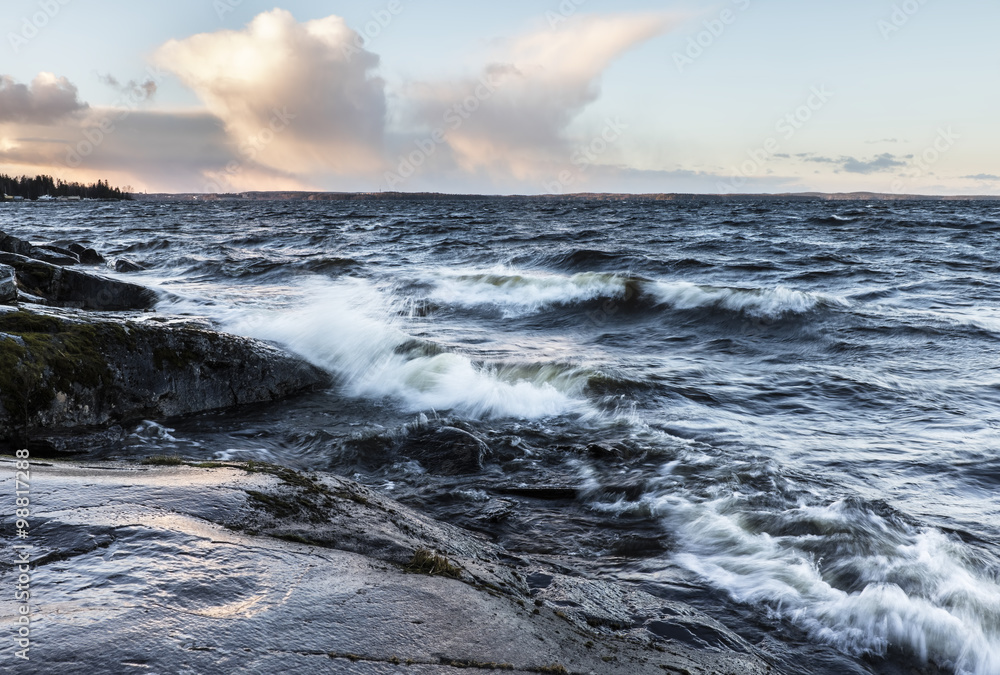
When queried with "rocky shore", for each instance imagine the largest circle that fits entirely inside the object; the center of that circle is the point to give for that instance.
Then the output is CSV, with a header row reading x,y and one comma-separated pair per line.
x,y
177,567
217,568
81,353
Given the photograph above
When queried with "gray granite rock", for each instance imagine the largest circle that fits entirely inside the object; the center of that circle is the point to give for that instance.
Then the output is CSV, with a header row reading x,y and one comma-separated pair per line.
x,y
167,570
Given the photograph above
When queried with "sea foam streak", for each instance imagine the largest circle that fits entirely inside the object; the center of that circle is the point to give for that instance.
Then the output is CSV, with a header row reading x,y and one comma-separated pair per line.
x,y
519,294
351,329
763,303
852,577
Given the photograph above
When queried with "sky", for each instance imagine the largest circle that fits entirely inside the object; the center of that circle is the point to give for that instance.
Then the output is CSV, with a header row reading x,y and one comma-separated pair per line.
x,y
550,96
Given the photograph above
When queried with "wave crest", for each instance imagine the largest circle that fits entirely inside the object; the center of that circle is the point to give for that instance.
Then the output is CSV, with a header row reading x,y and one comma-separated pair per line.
x,y
529,293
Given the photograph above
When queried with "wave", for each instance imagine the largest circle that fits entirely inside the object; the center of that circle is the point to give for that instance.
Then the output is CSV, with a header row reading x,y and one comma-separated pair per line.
x,y
520,294
852,574
770,303
242,265
834,219
352,330
529,293
586,259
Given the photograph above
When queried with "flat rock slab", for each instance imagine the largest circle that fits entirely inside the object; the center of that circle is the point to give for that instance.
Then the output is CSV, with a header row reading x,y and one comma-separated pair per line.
x,y
133,570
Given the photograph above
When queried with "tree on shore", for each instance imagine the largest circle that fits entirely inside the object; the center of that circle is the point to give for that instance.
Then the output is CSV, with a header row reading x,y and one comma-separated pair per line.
x,y
42,186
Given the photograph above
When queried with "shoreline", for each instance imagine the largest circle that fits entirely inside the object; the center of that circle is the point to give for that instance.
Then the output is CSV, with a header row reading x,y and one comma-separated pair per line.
x,y
223,566
255,567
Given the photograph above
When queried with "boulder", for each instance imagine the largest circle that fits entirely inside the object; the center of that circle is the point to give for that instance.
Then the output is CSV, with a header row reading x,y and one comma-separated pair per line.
x,y
8,285
66,256
124,265
60,373
63,287
91,257
10,244
87,256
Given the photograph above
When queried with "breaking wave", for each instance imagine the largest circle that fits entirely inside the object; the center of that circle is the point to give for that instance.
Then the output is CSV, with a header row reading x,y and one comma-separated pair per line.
x,y
352,330
529,293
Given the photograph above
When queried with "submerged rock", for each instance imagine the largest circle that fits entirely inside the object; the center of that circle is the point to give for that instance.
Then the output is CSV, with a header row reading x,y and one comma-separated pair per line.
x,y
125,265
59,373
88,256
167,568
446,450
63,287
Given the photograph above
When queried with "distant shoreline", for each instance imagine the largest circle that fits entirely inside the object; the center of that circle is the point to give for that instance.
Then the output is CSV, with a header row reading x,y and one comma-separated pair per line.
x,y
580,196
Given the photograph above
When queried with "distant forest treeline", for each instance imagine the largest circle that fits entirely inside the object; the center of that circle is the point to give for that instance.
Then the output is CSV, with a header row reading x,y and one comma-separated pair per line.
x,y
41,186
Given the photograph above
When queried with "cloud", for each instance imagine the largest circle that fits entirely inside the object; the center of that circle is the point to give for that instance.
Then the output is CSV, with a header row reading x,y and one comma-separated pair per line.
x,y
884,162
982,176
511,120
809,157
46,100
139,90
311,75
299,105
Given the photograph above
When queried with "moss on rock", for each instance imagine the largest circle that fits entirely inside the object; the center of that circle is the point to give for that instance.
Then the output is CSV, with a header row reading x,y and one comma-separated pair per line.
x,y
59,373
42,357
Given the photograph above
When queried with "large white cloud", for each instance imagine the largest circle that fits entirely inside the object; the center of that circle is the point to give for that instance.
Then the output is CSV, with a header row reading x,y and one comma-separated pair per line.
x,y
511,121
297,97
46,100
298,105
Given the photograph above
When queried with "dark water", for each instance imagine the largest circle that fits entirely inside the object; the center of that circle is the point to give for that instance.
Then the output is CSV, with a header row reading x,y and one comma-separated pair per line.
x,y
783,413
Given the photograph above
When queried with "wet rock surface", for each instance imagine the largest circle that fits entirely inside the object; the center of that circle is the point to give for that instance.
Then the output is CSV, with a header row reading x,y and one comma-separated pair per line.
x,y
125,265
88,256
63,287
8,285
446,450
11,244
255,568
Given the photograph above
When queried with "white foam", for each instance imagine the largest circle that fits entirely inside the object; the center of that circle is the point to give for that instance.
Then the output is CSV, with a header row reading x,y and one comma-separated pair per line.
x,y
350,329
916,589
765,303
524,293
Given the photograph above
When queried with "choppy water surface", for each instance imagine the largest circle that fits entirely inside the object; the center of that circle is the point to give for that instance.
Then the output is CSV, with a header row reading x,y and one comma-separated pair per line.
x,y
784,413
